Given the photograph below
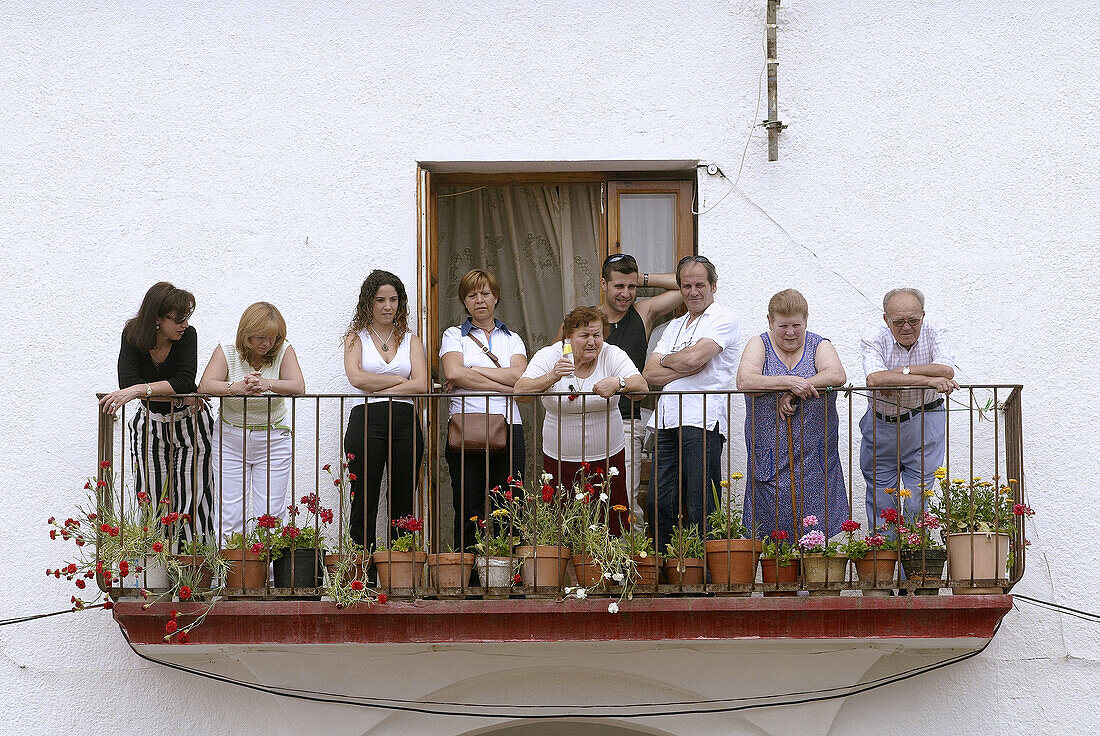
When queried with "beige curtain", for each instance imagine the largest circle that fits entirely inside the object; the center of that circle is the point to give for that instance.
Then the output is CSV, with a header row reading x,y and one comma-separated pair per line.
x,y
542,242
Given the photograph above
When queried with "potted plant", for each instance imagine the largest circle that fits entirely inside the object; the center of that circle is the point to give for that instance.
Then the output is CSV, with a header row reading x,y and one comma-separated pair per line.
x,y
346,586
685,556
196,565
450,570
496,567
731,558
980,523
400,563
541,520
246,557
346,547
922,556
639,546
297,551
872,556
598,556
823,567
778,562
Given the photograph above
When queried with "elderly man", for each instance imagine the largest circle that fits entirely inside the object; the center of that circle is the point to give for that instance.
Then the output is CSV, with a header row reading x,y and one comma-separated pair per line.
x,y
696,352
631,322
904,430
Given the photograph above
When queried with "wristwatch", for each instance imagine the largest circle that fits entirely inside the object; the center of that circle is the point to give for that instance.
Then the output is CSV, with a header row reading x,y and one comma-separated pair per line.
x,y
905,370
622,383
645,279
148,390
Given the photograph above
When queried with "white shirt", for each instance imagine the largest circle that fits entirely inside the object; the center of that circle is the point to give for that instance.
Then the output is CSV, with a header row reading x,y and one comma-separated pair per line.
x,y
719,324
592,420
233,409
504,344
881,352
400,364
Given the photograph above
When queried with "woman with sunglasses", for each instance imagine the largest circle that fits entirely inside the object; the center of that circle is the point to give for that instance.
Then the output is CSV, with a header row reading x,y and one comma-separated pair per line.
x,y
585,426
169,438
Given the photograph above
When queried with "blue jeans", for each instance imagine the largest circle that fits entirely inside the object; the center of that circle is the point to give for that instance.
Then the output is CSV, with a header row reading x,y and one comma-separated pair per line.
x,y
688,468
886,447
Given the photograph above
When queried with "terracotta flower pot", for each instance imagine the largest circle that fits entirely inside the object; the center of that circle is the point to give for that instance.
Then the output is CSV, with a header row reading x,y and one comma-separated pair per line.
x,y
197,569
356,570
646,573
686,571
451,570
772,573
246,569
399,569
925,568
587,570
819,570
495,573
877,567
544,565
977,556
733,561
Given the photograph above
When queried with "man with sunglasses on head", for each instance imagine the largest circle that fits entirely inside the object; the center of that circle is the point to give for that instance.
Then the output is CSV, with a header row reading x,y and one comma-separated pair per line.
x,y
697,352
631,324
904,429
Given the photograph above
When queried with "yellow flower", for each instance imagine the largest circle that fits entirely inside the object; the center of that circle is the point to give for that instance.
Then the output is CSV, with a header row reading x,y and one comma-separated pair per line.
x,y
1013,480
500,513
473,518
906,493
890,491
725,484
929,493
737,476
1006,491
976,478
941,472
618,507
958,480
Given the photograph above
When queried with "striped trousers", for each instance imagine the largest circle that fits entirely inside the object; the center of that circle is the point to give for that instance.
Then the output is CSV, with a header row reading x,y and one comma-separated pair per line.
x,y
171,459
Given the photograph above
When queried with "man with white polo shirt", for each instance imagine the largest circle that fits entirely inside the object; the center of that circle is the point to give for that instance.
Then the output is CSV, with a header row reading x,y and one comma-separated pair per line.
x,y
696,352
904,431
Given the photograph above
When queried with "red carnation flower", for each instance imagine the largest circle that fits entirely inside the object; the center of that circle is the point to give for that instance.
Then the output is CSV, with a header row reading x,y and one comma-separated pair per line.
x,y
517,579
382,598
108,605
508,496
105,464
1022,510
80,583
185,592
171,626
356,584
183,638
71,569
158,547
53,534
79,542
327,467
291,532
353,476
351,456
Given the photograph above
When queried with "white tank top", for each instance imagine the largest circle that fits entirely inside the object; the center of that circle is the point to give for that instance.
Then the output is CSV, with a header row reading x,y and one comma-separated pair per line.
x,y
233,409
372,362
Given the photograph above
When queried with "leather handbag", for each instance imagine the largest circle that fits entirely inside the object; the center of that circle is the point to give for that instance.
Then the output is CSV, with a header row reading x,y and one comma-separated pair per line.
x,y
477,431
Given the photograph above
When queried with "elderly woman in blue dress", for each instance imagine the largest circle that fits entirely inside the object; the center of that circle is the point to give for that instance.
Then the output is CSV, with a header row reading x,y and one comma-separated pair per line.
x,y
791,432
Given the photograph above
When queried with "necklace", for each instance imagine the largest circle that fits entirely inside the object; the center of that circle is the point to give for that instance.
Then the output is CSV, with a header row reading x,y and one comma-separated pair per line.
x,y
385,343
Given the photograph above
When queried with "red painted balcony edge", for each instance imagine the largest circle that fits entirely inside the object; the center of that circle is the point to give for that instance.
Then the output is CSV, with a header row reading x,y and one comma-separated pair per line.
x,y
642,619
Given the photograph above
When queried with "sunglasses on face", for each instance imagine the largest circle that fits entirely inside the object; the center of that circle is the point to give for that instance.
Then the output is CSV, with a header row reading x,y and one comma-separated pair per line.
x,y
912,322
178,320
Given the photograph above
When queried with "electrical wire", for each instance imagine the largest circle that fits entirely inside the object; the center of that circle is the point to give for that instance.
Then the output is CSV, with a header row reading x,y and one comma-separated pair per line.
x,y
404,705
33,617
1065,610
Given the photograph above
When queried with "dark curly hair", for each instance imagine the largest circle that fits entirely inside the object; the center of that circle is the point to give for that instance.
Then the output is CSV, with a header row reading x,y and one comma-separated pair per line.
x,y
363,314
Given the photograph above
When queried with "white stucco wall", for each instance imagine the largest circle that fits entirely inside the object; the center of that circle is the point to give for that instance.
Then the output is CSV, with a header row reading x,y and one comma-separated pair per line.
x,y
267,151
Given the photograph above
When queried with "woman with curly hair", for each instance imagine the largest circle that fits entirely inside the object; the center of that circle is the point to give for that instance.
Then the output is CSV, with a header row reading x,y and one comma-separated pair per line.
x,y
383,359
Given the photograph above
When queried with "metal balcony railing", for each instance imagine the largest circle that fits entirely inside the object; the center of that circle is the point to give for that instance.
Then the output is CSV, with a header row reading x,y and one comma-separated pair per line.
x,y
816,459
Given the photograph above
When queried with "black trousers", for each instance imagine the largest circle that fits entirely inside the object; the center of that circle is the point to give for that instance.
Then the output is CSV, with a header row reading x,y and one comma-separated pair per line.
x,y
390,434
470,485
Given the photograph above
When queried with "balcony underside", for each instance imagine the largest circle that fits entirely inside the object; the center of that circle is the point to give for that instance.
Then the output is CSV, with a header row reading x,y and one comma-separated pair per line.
x,y
917,621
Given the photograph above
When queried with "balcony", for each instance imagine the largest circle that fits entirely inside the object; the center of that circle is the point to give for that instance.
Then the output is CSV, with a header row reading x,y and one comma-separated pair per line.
x,y
545,620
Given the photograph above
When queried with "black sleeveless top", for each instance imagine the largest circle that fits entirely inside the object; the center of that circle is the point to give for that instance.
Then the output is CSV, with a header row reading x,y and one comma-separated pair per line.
x,y
629,334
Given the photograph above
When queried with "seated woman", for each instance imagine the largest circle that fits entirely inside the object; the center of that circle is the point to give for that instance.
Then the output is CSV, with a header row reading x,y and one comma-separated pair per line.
x,y
791,434
169,439
481,355
583,427
252,444
382,359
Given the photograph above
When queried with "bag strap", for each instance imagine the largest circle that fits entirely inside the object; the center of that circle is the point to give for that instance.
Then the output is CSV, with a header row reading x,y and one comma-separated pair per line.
x,y
484,349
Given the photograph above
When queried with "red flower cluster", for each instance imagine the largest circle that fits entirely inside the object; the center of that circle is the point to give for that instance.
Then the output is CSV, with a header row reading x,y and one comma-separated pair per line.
x,y
353,476
123,568
326,516
849,525
143,497
356,584
105,464
409,524
780,535
1021,509
158,547
291,532
292,510
890,516
351,457
547,493
381,597
257,548
171,518
267,521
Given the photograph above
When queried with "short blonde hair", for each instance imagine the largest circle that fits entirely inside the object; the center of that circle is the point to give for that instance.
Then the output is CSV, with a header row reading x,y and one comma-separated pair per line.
x,y
473,280
582,317
261,319
788,302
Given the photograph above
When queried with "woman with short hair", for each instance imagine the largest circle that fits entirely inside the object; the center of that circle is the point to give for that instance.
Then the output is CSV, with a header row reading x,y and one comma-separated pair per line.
x,y
792,432
585,426
481,355
252,440
383,359
169,438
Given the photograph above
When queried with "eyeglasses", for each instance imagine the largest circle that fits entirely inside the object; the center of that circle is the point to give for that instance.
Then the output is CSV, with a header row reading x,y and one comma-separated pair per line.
x,y
178,321
911,322
616,257
697,259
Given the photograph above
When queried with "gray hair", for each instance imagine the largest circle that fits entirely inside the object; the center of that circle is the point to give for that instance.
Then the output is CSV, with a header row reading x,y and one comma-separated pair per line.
x,y
895,292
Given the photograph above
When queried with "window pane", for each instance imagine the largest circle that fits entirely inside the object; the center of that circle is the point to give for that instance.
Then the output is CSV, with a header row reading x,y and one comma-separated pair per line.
x,y
647,230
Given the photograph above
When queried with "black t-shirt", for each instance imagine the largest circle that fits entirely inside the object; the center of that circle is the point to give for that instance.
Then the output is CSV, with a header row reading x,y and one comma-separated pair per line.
x,y
179,368
629,334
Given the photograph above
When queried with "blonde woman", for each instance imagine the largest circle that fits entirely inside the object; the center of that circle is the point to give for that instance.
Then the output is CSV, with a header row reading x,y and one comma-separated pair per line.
x,y
251,449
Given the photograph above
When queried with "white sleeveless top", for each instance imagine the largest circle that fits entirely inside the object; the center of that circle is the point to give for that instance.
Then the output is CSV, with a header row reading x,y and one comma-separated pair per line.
x,y
233,408
372,362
